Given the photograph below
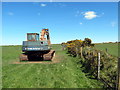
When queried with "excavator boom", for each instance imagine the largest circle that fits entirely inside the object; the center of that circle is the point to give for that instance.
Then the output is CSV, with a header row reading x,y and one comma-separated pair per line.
x,y
43,33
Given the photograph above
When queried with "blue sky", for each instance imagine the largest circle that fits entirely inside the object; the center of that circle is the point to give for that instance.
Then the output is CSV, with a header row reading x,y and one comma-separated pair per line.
x,y
65,20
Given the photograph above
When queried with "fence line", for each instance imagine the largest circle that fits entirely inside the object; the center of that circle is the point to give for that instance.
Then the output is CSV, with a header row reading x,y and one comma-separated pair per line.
x,y
87,54
99,65
119,73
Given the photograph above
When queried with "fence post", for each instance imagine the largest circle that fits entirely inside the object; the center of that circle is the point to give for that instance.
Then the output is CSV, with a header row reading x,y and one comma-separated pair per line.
x,y
119,73
99,65
63,47
106,50
77,52
81,51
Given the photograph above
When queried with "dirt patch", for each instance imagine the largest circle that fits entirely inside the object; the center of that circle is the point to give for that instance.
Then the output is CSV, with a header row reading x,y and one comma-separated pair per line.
x,y
55,59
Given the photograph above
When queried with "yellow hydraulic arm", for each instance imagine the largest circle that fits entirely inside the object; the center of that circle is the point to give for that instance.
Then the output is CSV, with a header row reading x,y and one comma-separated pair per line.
x,y
43,33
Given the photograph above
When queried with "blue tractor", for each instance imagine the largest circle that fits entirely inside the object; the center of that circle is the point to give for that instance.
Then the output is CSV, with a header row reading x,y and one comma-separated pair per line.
x,y
37,48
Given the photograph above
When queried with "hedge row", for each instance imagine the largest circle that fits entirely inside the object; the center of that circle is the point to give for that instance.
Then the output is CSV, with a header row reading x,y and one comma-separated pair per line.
x,y
89,59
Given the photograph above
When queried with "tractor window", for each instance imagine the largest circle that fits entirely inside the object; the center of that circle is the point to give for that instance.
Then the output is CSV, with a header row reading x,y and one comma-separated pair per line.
x,y
33,37
37,37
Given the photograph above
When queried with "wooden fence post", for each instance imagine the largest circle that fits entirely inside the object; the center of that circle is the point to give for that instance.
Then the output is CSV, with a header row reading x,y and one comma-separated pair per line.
x,y
99,65
106,50
63,47
81,51
119,73
77,52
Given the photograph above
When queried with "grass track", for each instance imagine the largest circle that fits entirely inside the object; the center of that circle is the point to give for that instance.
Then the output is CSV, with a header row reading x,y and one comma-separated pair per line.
x,y
66,74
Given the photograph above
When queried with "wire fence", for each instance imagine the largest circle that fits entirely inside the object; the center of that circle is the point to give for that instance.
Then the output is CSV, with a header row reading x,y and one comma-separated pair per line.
x,y
100,64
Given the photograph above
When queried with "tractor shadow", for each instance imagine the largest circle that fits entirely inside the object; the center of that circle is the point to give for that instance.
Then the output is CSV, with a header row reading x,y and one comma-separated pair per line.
x,y
30,58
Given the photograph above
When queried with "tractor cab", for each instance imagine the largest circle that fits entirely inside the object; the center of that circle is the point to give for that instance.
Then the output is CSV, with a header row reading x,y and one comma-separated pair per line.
x,y
34,43
37,48
32,37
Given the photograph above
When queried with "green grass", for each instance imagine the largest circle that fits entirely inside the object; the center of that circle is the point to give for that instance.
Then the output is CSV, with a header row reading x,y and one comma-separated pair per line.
x,y
112,48
66,74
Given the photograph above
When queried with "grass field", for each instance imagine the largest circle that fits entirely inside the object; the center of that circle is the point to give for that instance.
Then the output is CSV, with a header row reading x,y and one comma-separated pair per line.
x,y
112,48
65,74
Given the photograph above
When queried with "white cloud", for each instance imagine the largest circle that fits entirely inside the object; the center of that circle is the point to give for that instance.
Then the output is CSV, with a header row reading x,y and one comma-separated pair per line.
x,y
38,14
81,23
43,5
10,13
113,24
36,3
77,13
100,15
103,13
51,0
61,4
90,15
